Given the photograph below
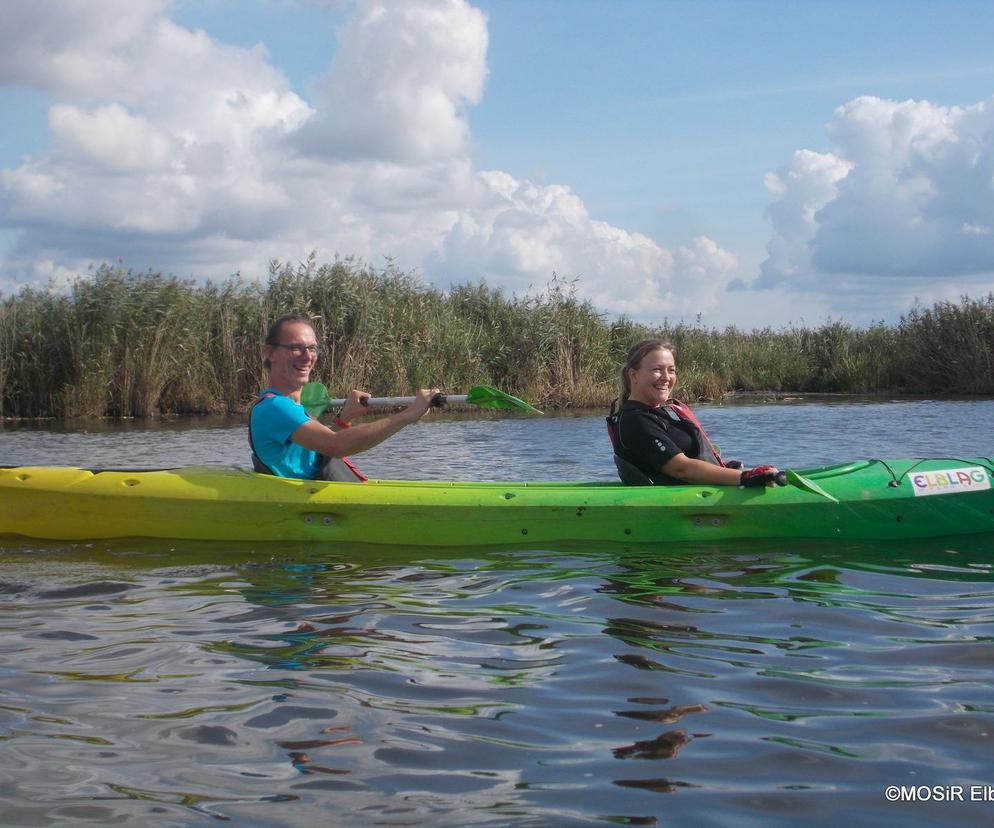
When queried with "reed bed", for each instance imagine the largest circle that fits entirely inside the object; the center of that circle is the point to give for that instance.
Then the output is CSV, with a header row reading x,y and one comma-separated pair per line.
x,y
126,344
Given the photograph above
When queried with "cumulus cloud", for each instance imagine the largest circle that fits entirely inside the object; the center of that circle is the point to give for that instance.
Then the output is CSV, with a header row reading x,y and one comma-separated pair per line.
x,y
400,82
167,132
906,196
800,189
174,151
111,138
73,46
517,233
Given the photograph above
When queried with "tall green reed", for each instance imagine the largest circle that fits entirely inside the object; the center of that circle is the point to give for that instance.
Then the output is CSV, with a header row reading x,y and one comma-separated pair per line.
x,y
948,348
125,344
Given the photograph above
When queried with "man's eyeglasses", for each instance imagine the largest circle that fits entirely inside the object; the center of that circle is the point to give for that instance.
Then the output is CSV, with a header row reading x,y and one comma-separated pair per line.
x,y
297,349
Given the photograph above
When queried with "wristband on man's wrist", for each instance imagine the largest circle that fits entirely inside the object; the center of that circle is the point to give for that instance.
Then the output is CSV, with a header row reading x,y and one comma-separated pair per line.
x,y
340,422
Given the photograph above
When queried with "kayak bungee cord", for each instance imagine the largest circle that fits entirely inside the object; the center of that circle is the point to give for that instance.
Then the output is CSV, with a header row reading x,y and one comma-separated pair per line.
x,y
895,481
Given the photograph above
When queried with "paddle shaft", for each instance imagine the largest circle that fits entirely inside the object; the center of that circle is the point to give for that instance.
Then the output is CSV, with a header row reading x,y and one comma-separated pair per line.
x,y
378,402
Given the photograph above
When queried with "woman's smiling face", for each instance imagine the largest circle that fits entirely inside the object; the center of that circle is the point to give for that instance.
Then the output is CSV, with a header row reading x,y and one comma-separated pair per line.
x,y
654,379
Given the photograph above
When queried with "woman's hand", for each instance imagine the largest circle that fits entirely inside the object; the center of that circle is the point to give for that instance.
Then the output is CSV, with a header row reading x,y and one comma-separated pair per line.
x,y
759,476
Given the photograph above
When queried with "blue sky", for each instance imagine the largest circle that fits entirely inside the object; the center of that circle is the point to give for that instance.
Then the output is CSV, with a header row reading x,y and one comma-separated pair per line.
x,y
750,163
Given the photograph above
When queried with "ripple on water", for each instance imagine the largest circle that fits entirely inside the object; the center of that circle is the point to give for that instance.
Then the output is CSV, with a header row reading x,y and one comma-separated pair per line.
x,y
756,683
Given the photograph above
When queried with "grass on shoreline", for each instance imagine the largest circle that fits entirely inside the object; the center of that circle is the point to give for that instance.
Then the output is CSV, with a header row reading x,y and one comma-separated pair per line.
x,y
125,344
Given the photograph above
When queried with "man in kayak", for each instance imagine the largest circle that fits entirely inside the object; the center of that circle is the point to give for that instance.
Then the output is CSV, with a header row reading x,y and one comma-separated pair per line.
x,y
285,440
657,439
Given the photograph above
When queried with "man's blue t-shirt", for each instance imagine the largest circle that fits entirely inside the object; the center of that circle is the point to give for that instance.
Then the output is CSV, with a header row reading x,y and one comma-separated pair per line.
x,y
272,421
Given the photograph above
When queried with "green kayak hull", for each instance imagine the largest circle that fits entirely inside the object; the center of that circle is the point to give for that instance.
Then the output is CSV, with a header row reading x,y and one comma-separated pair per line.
x,y
865,499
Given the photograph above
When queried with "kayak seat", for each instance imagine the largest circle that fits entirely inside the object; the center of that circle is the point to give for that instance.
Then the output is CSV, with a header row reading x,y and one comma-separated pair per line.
x,y
630,474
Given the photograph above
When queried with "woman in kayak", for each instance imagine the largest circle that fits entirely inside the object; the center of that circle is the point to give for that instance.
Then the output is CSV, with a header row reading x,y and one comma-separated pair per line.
x,y
657,439
285,440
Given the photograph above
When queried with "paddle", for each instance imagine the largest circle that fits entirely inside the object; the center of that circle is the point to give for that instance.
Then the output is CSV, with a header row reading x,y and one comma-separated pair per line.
x,y
792,478
314,397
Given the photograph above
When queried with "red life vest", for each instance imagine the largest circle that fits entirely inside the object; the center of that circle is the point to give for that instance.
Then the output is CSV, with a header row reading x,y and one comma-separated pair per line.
x,y
682,410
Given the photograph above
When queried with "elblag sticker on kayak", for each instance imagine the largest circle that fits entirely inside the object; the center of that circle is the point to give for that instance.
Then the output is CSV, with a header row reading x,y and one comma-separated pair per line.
x,y
947,481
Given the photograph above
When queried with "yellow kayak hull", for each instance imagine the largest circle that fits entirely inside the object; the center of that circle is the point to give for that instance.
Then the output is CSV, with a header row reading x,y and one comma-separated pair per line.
x,y
860,500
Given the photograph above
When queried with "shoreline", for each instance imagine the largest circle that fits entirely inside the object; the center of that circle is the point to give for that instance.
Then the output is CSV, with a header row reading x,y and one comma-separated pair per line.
x,y
470,412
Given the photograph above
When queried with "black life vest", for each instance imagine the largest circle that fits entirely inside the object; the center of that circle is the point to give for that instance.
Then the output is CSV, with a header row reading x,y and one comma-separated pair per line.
x,y
630,473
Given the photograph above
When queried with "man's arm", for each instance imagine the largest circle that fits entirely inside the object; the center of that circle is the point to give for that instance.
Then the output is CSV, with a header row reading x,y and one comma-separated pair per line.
x,y
317,437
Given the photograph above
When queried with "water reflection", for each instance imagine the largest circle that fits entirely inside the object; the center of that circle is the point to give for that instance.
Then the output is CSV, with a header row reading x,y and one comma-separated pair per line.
x,y
160,684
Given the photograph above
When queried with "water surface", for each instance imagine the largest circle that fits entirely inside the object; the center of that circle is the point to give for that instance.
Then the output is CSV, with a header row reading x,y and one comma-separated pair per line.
x,y
564,447
752,683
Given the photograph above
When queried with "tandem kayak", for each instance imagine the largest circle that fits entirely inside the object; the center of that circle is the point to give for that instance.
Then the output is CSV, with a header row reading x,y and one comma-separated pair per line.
x,y
861,500
864,499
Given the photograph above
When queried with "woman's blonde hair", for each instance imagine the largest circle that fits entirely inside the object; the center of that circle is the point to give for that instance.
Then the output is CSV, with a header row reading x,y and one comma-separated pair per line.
x,y
636,354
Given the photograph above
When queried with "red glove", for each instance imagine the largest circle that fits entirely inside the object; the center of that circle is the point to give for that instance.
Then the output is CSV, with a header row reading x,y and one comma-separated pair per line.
x,y
759,476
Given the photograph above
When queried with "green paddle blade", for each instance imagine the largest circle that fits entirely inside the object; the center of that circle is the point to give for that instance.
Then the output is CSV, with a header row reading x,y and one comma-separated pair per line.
x,y
803,483
314,397
486,396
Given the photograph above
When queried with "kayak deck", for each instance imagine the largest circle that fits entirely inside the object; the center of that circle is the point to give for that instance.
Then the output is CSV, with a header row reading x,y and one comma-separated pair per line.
x,y
864,499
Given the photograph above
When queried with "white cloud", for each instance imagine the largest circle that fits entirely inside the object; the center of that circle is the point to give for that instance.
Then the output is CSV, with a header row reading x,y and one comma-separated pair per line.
x,y
400,82
801,188
906,198
173,151
517,234
74,46
111,138
169,136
